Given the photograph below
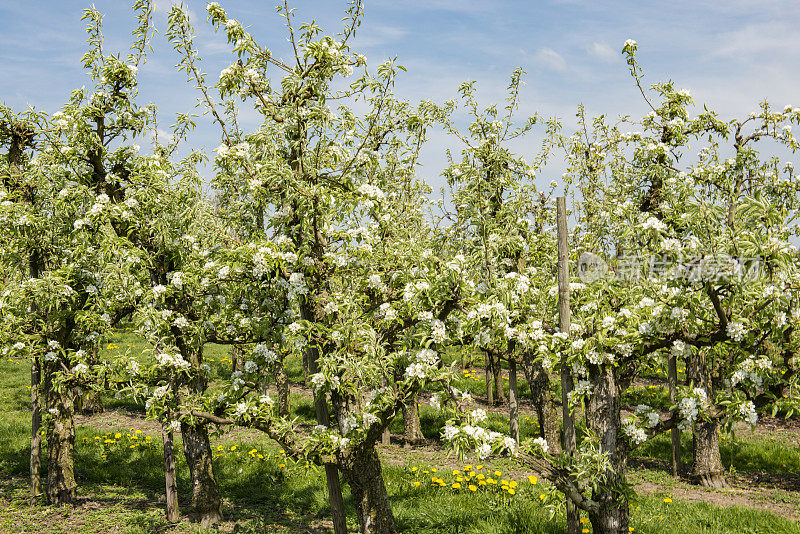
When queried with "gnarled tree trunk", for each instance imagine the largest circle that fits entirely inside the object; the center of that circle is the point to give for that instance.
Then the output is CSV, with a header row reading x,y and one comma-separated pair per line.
x,y
707,463
603,419
362,471
539,382
205,494
61,486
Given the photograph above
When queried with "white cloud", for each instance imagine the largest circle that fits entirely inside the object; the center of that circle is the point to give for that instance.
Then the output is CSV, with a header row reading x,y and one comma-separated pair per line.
x,y
603,52
549,58
378,35
777,37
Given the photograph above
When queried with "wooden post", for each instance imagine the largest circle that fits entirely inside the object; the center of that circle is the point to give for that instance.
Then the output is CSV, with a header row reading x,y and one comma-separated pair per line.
x,y
513,411
489,378
573,517
672,374
36,425
331,470
170,477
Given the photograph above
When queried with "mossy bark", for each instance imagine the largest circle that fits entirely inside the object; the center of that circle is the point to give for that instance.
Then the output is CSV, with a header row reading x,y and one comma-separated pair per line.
x,y
362,471
206,500
603,420
61,485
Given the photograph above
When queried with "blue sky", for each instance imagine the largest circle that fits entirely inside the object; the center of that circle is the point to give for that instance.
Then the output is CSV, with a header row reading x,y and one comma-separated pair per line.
x,y
730,54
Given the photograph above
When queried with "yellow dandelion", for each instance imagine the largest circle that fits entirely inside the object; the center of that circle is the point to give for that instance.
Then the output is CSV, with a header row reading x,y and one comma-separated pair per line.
x,y
456,485
472,487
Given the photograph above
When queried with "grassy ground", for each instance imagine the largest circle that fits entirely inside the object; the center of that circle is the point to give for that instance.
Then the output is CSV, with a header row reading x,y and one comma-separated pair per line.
x,y
118,467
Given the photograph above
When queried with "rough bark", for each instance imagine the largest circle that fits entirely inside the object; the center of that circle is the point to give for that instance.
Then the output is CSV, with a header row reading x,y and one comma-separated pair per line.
x,y
603,420
547,418
206,501
707,465
323,418
282,385
61,486
412,428
362,471
90,402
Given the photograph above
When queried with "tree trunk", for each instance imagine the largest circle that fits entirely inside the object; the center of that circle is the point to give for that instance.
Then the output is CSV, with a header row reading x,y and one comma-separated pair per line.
x,y
170,477
539,382
604,420
36,425
489,376
282,385
610,521
707,463
61,486
497,371
675,433
331,470
362,471
411,424
91,403
513,409
205,493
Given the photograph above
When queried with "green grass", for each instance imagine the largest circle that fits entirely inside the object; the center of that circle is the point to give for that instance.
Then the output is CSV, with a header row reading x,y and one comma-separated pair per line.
x,y
121,486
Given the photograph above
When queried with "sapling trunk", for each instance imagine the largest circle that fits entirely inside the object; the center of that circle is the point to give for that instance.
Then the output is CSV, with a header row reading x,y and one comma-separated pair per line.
x,y
282,385
513,411
489,382
411,425
497,371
